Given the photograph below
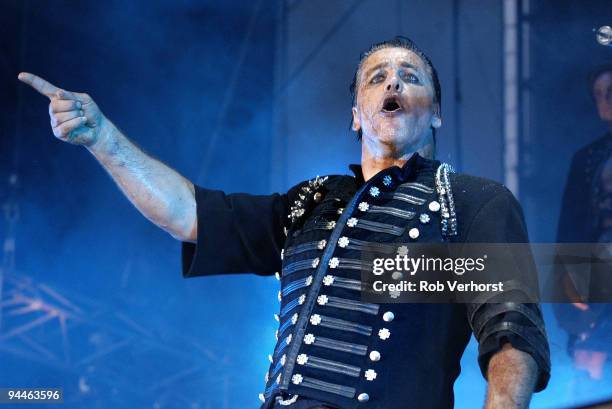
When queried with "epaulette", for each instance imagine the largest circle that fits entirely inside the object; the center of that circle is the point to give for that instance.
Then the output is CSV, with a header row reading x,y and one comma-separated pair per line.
x,y
305,196
446,200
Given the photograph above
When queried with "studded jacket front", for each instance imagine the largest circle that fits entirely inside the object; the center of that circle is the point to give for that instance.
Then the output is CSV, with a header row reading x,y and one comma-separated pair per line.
x,y
335,348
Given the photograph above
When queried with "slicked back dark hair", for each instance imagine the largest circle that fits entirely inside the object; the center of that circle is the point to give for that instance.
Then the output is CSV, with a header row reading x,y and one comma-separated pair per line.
x,y
397,42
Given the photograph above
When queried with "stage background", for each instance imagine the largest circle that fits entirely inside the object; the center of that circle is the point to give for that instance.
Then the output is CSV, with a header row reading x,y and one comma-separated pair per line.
x,y
250,97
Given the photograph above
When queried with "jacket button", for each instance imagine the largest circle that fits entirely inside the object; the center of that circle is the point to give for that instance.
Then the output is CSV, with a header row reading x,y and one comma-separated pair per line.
x,y
364,206
384,334
388,316
363,397
374,356
434,206
370,374
343,241
414,233
317,197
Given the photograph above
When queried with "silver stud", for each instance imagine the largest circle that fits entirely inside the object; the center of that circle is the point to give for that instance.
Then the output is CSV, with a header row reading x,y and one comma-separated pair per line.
x,y
283,360
388,316
397,275
334,262
328,280
261,396
309,339
278,379
315,319
270,358
352,222
343,241
370,374
394,293
384,334
302,299
402,250
424,218
267,377
280,296
282,254
288,339
277,275
374,356
414,233
434,206
322,299
308,280
374,191
315,262
363,397
331,225
276,335
364,206
277,317
321,244
294,318
297,379
302,359
387,180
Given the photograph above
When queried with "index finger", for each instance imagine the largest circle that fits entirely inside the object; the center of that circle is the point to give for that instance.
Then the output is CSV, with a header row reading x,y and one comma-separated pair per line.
x,y
39,84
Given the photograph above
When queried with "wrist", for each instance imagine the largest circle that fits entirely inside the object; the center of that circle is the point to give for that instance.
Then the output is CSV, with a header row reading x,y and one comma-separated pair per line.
x,y
105,134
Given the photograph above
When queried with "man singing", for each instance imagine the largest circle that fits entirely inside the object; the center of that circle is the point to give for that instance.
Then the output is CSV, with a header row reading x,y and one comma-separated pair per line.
x,y
333,349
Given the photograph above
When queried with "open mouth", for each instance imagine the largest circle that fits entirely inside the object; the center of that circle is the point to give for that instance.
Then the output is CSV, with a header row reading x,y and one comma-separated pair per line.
x,y
391,104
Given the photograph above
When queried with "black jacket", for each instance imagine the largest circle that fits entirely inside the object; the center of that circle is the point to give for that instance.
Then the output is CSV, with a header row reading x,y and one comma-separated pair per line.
x,y
332,347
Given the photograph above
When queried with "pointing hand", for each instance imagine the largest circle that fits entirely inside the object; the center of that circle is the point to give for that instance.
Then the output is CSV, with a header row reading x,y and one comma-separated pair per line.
x,y
75,117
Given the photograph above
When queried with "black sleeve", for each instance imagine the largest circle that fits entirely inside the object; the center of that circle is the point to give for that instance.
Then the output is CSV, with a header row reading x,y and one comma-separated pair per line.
x,y
572,227
237,233
500,220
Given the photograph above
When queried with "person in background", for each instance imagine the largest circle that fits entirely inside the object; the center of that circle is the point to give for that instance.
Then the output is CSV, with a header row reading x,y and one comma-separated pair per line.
x,y
586,217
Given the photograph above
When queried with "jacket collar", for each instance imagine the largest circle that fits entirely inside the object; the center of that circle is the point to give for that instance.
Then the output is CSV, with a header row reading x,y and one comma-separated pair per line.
x,y
414,164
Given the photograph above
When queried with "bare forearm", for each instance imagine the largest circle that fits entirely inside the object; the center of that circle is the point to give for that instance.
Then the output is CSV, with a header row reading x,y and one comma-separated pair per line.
x,y
161,194
512,376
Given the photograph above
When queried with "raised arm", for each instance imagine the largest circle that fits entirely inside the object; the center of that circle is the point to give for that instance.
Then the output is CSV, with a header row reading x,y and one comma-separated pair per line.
x,y
161,194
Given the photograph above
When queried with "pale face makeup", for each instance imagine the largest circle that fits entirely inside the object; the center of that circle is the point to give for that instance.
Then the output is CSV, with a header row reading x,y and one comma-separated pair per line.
x,y
395,101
